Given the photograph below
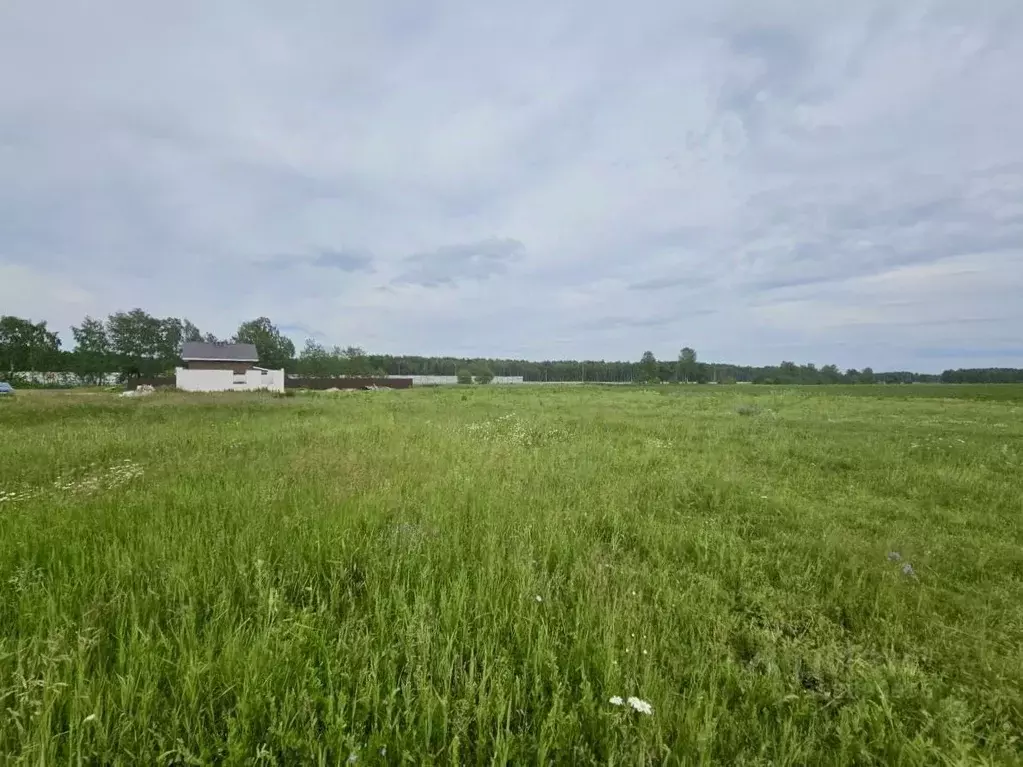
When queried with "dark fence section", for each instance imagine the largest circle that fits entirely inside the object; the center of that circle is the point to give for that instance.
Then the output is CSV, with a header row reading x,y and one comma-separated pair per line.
x,y
347,383
156,383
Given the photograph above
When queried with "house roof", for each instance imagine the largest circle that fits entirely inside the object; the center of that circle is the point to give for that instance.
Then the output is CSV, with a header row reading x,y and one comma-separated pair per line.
x,y
224,352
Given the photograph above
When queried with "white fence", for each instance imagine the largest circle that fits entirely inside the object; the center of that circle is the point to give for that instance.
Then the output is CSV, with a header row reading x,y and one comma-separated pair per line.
x,y
452,380
64,379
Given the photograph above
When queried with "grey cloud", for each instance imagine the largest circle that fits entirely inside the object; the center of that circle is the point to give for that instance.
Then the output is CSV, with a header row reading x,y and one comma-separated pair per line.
x,y
302,330
660,283
768,60
346,261
726,154
451,264
640,321
341,260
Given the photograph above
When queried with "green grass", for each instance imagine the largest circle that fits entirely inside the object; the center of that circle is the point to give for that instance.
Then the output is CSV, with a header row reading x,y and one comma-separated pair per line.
x,y
468,576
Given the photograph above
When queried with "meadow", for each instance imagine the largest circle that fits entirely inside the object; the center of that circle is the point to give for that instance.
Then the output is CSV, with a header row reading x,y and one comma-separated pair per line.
x,y
486,575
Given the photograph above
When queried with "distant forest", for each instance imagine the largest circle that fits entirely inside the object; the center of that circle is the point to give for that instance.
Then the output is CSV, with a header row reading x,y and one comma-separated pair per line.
x,y
136,344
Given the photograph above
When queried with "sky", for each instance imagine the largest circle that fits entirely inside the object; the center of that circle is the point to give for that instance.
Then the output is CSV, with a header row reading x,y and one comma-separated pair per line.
x,y
818,182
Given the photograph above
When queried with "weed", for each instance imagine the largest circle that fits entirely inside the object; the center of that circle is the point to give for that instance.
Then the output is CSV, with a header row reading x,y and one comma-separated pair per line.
x,y
566,575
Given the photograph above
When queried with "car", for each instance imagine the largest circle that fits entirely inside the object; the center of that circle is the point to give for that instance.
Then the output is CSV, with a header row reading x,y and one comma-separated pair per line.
x,y
6,388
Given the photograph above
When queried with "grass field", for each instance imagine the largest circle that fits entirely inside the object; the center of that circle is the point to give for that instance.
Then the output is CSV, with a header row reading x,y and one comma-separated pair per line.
x,y
786,576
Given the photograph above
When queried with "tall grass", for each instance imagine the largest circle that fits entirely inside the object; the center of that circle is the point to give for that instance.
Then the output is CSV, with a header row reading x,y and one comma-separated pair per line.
x,y
421,577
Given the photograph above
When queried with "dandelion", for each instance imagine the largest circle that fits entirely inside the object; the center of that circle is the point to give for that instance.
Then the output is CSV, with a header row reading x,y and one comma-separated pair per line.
x,y
894,556
907,570
616,701
641,706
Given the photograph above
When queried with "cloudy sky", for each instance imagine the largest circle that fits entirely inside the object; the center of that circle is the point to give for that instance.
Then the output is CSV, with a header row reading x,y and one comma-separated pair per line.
x,y
825,181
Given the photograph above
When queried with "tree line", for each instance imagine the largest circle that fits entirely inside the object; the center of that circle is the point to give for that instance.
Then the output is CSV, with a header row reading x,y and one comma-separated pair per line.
x,y
130,344
137,344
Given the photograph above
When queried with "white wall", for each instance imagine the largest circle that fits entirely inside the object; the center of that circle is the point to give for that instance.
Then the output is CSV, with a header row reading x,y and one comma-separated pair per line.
x,y
452,380
64,379
272,380
225,380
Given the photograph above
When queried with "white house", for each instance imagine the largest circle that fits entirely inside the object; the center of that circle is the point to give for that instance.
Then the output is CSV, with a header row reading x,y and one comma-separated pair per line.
x,y
224,367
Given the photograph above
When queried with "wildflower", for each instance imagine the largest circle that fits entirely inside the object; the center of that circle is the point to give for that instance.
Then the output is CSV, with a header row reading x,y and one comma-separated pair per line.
x,y
894,556
353,758
907,570
641,706
616,701
538,598
89,718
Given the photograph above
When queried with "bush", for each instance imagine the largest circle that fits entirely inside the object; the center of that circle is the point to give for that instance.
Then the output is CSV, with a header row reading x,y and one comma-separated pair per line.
x,y
464,376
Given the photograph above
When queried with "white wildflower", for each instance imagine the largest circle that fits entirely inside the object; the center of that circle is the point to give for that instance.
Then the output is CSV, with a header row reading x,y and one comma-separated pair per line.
x,y
538,598
641,706
616,701
89,718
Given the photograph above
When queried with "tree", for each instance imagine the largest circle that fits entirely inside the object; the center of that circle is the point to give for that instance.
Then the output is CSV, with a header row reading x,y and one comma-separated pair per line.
x,y
91,358
482,374
831,374
648,368
135,334
314,360
146,345
355,363
867,376
275,350
687,368
168,343
464,376
190,333
26,345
